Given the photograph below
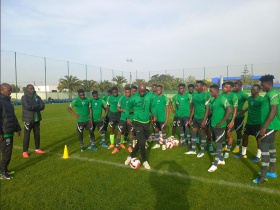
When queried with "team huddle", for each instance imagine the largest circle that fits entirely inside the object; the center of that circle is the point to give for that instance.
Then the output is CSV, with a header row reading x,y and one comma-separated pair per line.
x,y
214,115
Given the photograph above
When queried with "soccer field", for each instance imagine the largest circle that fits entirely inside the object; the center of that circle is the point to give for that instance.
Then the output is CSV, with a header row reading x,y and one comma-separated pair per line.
x,y
100,180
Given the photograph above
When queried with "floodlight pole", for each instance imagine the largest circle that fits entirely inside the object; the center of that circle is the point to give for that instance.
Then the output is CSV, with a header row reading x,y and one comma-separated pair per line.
x,y
129,60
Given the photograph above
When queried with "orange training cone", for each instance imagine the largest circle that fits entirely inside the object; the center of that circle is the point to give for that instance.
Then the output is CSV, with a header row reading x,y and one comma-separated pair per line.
x,y
65,154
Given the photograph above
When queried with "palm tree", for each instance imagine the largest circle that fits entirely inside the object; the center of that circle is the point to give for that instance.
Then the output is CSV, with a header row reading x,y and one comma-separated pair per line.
x,y
120,80
72,83
90,85
105,85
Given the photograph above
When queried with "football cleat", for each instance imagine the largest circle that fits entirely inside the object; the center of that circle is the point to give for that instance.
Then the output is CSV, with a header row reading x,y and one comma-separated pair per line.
x,y
240,156
236,150
260,180
256,159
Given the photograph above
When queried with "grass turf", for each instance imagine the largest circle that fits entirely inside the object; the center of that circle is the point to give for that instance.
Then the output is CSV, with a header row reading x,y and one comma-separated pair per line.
x,y
99,180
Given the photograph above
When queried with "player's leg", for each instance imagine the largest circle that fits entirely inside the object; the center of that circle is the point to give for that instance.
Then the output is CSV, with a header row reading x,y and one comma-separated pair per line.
x,y
36,131
6,146
141,140
247,131
229,144
203,142
131,132
100,127
156,130
118,140
174,128
238,126
181,125
255,132
124,129
272,152
26,138
163,131
80,130
112,124
195,127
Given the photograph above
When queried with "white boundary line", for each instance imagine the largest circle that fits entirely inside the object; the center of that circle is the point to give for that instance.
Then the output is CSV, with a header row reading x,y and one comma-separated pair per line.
x,y
201,179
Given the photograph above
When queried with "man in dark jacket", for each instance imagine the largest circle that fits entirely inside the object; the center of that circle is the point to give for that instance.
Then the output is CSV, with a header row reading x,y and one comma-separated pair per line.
x,y
32,104
8,126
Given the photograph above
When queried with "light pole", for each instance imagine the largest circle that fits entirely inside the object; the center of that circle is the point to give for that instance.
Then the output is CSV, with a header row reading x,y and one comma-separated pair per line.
x,y
129,60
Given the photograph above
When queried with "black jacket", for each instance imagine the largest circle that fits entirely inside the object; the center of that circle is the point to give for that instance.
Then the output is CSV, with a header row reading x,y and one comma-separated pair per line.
x,y
8,120
30,106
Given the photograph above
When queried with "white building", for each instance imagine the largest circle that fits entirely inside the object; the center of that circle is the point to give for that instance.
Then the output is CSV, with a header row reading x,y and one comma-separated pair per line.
x,y
47,88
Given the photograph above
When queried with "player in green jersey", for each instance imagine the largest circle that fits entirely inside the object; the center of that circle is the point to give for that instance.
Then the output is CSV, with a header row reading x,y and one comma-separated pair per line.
x,y
269,126
123,126
106,120
162,108
142,104
233,101
185,106
115,115
133,90
83,108
191,88
175,111
97,105
253,124
239,120
221,112
201,101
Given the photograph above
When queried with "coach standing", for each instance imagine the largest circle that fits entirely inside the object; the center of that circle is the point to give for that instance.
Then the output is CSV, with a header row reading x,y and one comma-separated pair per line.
x,y
8,126
32,104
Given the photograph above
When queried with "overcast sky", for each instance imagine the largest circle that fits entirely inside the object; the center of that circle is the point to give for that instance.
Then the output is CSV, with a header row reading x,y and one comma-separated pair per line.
x,y
157,35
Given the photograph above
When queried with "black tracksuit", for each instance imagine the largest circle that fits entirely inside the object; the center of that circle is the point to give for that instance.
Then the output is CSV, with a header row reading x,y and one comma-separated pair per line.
x,y
8,125
31,106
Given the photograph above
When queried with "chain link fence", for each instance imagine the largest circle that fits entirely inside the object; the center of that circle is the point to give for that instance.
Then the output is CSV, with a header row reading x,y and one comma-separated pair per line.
x,y
60,79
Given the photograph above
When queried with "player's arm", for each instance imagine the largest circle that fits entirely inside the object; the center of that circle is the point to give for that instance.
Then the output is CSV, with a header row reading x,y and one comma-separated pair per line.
x,y
191,107
227,106
207,106
235,107
106,110
128,107
167,111
153,110
90,112
71,105
242,111
119,105
171,106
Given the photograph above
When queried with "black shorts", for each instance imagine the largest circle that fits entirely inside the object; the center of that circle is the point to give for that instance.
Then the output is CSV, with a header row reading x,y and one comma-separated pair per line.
x,y
82,125
159,125
183,121
208,121
218,134
197,122
114,119
268,137
99,125
229,130
123,125
238,123
175,120
252,130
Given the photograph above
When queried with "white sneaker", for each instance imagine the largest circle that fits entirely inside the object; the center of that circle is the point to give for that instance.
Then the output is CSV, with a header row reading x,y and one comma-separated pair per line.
x,y
128,159
156,146
190,152
146,165
212,168
163,147
221,162
200,154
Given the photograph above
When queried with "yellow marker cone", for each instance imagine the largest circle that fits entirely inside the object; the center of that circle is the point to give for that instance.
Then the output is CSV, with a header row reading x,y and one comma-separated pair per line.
x,y
65,154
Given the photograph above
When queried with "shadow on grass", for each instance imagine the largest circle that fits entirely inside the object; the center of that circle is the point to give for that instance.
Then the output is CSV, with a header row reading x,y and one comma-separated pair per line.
x,y
167,197
247,162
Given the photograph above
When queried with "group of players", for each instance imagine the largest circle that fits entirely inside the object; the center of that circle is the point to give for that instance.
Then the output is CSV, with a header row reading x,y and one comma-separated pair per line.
x,y
215,115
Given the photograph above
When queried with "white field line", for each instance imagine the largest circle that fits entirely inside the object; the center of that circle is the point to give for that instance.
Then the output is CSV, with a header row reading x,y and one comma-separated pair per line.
x,y
184,176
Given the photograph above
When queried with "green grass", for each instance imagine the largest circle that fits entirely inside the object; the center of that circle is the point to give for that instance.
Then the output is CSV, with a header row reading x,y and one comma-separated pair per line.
x,y
86,181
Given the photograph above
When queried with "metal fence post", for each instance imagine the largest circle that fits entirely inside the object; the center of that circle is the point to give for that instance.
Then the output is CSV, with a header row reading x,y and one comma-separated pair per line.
x,y
149,75
136,74
184,75
16,71
252,70
68,79
113,73
86,78
45,61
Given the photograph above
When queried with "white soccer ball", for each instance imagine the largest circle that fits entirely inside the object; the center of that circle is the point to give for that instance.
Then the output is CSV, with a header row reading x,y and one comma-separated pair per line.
x,y
169,140
135,163
134,143
169,145
153,135
160,140
175,142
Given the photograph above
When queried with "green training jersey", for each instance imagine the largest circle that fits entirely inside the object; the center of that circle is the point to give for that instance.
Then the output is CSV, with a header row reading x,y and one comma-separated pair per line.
x,y
96,107
142,106
210,102
233,101
242,98
82,107
254,110
184,104
105,98
174,99
160,104
200,100
220,105
271,98
122,104
113,101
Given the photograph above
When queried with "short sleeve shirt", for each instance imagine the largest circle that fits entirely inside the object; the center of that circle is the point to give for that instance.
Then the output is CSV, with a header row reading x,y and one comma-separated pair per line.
x,y
174,99
122,104
271,98
113,101
82,107
254,110
160,105
200,100
233,101
219,110
96,107
242,98
105,98
184,104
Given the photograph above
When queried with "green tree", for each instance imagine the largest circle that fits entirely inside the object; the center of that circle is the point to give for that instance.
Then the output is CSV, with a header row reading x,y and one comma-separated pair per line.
x,y
137,81
72,83
245,76
105,85
120,81
190,80
14,88
90,85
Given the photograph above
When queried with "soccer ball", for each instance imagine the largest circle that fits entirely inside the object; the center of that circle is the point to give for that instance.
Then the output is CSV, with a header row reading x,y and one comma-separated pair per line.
x,y
169,140
153,135
134,143
175,142
146,146
169,145
161,140
135,163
